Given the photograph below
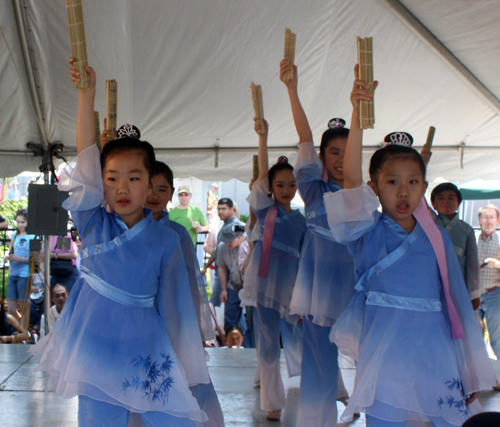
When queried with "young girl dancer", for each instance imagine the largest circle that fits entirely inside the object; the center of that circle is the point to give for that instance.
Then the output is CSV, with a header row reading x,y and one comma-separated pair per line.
x,y
128,338
325,281
410,326
19,270
157,201
271,274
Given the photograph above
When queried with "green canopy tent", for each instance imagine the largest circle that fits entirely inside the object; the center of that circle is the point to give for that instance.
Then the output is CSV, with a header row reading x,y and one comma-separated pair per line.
x,y
480,189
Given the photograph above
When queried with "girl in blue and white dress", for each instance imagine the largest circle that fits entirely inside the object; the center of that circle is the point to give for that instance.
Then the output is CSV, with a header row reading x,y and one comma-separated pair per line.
x,y
19,270
128,339
410,326
325,280
270,277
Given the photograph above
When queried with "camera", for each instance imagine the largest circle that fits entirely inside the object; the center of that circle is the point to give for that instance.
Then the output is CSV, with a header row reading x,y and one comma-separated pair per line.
x,y
239,228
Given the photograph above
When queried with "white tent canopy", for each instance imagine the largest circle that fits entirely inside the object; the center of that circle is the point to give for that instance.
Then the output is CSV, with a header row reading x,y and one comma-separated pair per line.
x,y
184,68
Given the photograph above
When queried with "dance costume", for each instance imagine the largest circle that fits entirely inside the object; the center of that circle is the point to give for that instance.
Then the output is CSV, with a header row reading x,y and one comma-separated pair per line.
x,y
272,294
196,282
324,286
205,393
400,323
128,336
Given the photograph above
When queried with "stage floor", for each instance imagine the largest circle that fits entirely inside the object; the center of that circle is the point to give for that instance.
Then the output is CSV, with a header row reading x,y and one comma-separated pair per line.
x,y
24,403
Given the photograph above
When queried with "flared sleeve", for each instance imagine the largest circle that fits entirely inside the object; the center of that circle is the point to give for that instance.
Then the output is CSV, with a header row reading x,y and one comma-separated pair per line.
x,y
177,308
475,366
258,198
197,285
83,179
351,213
309,173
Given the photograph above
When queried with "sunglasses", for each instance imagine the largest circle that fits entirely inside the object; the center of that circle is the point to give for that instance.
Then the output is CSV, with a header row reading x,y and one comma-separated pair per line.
x,y
22,212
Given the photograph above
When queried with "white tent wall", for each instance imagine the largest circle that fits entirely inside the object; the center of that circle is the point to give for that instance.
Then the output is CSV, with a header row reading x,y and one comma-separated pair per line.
x,y
184,67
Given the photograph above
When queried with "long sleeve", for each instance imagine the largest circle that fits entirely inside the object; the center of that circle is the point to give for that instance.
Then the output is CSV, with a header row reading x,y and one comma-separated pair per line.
x,y
177,307
83,178
308,172
351,213
477,373
472,267
258,198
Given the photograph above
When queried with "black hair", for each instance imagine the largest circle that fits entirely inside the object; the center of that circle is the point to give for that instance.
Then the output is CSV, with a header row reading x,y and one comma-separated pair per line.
x,y
232,328
392,151
446,186
485,419
24,214
278,167
53,287
331,134
128,143
226,201
163,169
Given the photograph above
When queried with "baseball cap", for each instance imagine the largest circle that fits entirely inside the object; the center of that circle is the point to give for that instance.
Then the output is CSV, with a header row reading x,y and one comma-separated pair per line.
x,y
227,233
184,189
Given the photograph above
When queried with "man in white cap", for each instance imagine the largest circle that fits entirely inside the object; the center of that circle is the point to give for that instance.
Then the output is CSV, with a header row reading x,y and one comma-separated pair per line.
x,y
190,217
212,201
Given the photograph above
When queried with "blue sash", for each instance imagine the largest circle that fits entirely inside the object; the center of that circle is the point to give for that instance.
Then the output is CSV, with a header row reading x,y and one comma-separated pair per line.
x,y
113,293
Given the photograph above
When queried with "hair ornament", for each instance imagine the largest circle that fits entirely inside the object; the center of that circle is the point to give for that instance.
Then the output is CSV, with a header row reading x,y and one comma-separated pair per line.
x,y
399,138
282,159
336,122
128,130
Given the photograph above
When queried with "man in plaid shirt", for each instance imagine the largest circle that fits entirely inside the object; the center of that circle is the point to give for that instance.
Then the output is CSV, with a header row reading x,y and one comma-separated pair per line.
x,y
488,246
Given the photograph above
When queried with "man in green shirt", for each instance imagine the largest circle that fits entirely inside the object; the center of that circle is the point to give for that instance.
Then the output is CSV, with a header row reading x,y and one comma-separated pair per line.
x,y
190,217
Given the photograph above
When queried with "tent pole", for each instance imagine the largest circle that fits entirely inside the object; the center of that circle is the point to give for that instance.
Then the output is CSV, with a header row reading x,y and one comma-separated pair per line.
x,y
46,269
22,26
30,69
442,51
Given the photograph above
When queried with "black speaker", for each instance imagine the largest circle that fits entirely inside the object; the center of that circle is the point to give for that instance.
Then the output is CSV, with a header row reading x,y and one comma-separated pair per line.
x,y
47,217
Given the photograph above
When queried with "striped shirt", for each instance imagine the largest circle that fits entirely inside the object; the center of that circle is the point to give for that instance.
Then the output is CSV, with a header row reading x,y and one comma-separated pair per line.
x,y
489,248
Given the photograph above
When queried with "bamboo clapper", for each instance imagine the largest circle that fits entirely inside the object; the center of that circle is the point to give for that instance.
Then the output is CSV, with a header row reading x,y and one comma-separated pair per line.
x,y
258,105
78,42
289,55
97,130
111,104
430,138
255,167
365,73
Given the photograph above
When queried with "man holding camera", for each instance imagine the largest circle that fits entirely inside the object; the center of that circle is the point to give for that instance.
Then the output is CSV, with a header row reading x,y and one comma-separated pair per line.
x,y
230,276
225,209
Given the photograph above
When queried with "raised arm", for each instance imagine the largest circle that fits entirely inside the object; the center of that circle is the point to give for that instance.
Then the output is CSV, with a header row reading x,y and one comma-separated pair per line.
x,y
353,175
85,125
299,116
263,156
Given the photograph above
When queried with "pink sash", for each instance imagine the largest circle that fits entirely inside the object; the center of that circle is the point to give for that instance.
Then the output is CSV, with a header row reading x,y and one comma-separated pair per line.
x,y
267,240
434,235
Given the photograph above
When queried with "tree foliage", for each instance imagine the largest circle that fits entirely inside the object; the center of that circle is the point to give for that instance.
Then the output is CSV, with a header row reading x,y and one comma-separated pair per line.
x,y
9,208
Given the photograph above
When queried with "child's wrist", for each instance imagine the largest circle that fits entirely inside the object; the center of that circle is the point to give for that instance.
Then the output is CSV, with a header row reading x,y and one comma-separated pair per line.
x,y
88,92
